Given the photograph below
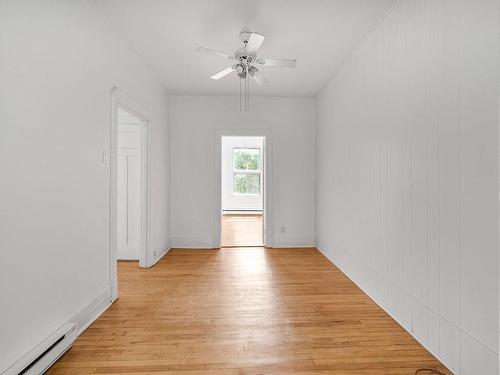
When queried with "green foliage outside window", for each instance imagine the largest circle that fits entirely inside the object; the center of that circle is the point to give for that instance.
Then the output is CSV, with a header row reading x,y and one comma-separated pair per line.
x,y
246,183
246,159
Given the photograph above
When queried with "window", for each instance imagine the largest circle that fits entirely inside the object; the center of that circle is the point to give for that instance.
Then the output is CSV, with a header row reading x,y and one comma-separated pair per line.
x,y
247,167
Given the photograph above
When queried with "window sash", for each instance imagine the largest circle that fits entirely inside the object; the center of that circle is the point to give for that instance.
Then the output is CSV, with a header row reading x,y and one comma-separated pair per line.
x,y
252,173
247,170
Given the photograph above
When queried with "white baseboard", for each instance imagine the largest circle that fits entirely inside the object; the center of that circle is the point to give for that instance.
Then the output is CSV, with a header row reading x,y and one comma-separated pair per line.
x,y
282,241
161,255
247,212
290,241
85,316
132,258
192,243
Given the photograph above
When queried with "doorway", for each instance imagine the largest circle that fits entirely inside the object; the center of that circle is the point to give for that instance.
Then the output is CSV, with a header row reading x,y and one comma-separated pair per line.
x,y
242,191
129,185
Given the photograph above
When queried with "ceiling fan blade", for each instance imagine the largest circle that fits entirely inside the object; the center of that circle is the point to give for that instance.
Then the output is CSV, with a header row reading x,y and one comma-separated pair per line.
x,y
254,42
215,52
257,76
224,73
281,63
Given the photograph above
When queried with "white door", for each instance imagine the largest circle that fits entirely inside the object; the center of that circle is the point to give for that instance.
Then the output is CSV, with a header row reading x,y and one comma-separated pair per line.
x,y
129,189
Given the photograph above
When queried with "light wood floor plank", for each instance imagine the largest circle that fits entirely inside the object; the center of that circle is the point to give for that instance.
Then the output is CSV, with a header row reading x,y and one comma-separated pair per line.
x,y
242,230
243,311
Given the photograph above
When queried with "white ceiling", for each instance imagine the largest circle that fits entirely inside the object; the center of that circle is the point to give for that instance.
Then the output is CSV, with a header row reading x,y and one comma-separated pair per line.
x,y
318,33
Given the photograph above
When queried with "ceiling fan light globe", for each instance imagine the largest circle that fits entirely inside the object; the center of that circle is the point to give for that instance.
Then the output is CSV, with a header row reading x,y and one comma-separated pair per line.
x,y
240,68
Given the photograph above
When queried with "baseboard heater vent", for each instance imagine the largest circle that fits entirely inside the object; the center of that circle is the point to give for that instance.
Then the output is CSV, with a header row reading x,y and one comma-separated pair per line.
x,y
44,355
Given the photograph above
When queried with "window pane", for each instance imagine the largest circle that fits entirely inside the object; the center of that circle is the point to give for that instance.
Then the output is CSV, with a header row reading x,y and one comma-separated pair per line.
x,y
246,159
246,183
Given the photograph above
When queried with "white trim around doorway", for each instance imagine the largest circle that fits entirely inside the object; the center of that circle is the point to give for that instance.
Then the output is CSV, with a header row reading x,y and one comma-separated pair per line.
x,y
121,100
268,181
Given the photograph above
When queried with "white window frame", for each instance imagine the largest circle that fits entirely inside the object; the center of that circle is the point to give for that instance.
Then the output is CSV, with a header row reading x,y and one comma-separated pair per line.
x,y
247,171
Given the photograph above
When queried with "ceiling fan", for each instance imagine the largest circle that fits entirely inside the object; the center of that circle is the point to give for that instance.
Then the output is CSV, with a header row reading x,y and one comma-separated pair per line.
x,y
245,60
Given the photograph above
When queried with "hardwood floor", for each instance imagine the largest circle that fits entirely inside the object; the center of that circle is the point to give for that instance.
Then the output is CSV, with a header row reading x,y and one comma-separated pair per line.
x,y
242,230
243,311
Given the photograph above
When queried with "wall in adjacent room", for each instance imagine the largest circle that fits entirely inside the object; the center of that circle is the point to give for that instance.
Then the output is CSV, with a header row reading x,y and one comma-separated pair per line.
x,y
58,66
407,174
194,121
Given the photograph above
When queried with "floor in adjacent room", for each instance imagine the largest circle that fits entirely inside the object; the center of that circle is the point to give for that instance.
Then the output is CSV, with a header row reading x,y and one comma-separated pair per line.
x,y
242,230
243,311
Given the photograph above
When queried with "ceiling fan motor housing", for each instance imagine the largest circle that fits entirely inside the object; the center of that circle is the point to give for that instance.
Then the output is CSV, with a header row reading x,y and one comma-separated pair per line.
x,y
242,55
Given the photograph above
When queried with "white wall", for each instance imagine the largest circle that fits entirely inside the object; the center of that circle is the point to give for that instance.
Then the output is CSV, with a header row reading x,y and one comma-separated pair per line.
x,y
232,201
407,190
193,124
58,65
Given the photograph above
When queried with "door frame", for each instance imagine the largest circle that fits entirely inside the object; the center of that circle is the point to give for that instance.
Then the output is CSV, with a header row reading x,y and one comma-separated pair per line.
x,y
267,176
120,100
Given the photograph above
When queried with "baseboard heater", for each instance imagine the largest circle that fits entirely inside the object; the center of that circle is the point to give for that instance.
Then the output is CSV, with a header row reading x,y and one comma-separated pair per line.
x,y
44,355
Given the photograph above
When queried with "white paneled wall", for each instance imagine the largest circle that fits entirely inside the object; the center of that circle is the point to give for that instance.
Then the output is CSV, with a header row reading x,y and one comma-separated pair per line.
x,y
407,174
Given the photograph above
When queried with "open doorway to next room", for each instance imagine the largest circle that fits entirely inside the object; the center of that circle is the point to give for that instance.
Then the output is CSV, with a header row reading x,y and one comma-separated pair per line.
x,y
242,191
